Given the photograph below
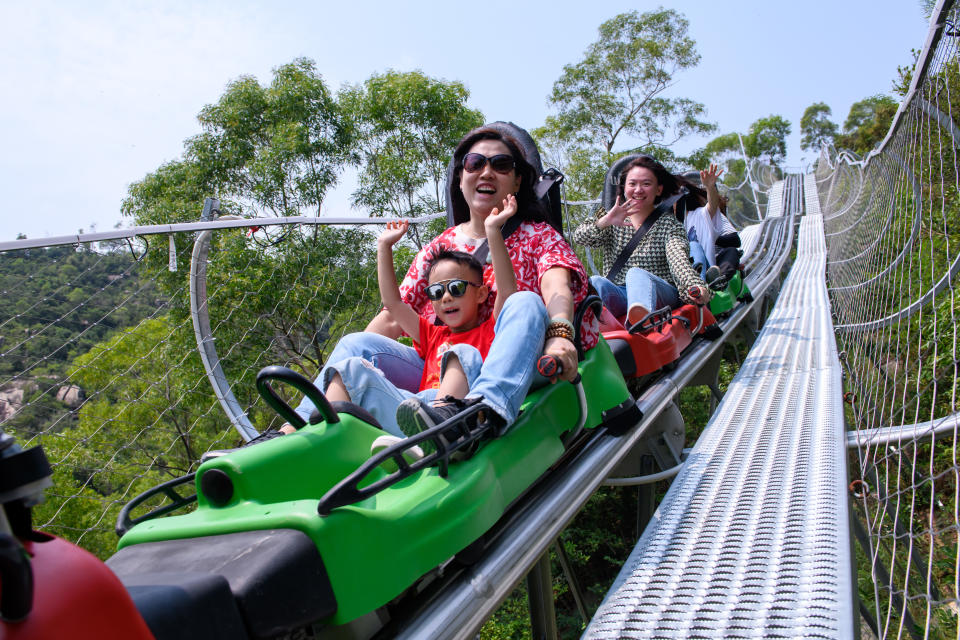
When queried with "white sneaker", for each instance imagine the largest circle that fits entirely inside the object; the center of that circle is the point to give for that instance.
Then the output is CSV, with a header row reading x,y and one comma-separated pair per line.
x,y
636,313
412,454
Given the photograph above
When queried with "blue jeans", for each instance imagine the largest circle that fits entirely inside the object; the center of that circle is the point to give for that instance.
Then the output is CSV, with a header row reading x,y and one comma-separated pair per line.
x,y
370,388
700,260
398,362
510,368
642,287
503,379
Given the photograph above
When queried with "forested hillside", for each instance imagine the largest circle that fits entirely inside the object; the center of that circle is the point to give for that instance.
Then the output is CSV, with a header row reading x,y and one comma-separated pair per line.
x,y
57,303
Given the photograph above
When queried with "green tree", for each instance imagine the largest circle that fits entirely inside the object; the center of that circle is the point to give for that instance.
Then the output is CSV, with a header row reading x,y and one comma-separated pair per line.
x,y
867,123
278,148
272,149
618,91
767,139
816,129
863,112
407,126
721,149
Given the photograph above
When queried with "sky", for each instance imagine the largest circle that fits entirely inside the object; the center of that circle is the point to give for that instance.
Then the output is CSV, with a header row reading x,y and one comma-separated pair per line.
x,y
98,94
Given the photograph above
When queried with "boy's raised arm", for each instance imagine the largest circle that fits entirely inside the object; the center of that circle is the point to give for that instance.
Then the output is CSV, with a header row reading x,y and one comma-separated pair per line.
x,y
402,313
503,272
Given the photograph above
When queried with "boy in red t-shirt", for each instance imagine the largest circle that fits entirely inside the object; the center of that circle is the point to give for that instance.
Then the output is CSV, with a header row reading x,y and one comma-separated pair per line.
x,y
452,352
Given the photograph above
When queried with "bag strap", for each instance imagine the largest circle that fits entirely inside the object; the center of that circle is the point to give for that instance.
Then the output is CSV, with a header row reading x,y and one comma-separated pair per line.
x,y
483,249
631,246
544,183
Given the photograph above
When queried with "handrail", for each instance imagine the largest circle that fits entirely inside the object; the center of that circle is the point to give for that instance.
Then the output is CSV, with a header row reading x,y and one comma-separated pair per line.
x,y
182,227
904,433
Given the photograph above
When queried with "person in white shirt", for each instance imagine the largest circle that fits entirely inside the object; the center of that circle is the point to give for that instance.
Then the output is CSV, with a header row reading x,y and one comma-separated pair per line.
x,y
713,240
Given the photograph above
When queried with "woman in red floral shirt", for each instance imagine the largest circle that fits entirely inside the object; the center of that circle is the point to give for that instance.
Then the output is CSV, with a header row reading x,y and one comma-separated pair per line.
x,y
489,165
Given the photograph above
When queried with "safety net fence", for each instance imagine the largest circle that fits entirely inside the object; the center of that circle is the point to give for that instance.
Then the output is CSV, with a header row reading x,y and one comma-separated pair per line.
x,y
100,361
892,226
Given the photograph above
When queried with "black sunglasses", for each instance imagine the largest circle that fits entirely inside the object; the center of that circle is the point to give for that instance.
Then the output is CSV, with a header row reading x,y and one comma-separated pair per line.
x,y
456,287
501,163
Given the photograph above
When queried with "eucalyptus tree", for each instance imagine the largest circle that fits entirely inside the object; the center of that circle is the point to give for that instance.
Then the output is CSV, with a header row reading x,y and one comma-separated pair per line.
x,y
617,94
407,125
816,128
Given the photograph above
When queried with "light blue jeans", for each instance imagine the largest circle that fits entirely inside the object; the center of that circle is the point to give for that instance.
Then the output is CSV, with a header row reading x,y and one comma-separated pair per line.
x,y
700,260
369,387
502,380
642,287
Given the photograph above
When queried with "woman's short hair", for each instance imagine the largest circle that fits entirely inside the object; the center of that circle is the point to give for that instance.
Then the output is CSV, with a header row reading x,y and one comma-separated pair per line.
x,y
664,178
529,208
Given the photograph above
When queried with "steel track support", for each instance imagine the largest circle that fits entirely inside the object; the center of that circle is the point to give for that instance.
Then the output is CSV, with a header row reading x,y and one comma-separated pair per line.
x,y
572,581
543,616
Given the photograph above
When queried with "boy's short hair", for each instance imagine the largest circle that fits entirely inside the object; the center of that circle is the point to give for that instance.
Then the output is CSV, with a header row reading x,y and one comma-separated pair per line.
x,y
460,257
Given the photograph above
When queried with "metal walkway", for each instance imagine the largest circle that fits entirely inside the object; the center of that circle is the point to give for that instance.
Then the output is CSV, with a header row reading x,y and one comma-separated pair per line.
x,y
752,538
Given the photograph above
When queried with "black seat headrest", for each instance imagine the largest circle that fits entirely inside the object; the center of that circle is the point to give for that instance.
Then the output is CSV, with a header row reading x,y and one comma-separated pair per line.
x,y
550,180
611,183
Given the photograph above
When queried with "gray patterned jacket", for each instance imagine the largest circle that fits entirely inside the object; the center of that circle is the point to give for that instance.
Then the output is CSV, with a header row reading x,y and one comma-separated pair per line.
x,y
663,251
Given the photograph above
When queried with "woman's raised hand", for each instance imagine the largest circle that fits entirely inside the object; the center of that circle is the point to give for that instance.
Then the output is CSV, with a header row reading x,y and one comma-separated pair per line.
x,y
709,177
499,217
394,231
618,214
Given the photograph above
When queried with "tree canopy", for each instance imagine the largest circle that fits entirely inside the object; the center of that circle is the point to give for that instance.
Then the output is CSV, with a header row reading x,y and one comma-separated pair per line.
x,y
407,125
618,91
766,140
816,129
272,150
278,148
867,123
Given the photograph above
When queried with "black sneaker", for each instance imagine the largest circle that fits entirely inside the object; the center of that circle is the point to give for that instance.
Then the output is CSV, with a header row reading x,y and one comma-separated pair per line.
x,y
715,279
414,416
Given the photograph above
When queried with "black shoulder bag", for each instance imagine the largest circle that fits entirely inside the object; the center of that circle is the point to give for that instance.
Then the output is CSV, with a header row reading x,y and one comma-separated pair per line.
x,y
631,246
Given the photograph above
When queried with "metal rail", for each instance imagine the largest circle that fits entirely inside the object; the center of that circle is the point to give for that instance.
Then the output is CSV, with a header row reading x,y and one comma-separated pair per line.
x,y
752,539
186,227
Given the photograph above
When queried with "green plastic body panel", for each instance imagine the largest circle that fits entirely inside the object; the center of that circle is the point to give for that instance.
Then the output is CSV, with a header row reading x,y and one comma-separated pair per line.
x,y
724,301
375,549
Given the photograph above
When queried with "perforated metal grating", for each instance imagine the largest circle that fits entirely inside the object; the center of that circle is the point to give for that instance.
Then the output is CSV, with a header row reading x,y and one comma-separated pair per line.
x,y
752,539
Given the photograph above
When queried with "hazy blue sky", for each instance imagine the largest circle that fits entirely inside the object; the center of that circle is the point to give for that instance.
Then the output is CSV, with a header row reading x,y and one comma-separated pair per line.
x,y
97,94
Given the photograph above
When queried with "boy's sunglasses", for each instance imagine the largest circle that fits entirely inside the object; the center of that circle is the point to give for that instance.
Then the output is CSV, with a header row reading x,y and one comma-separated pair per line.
x,y
501,163
456,287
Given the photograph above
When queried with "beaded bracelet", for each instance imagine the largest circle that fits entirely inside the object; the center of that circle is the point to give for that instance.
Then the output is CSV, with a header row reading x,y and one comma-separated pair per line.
x,y
559,330
563,321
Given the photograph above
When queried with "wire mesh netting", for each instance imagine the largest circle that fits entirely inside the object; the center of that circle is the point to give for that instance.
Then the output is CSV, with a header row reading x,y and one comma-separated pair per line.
x,y
100,360
892,224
